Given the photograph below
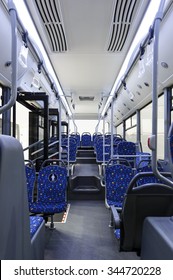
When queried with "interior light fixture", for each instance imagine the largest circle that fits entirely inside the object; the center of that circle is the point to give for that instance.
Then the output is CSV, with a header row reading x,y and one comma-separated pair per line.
x,y
142,31
25,18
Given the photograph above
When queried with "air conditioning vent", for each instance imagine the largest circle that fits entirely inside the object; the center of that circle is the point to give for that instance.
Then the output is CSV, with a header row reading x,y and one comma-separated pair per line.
x,y
50,14
86,98
123,14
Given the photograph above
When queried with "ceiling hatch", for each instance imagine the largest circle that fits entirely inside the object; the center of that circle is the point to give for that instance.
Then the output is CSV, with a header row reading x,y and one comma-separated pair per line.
x,y
50,14
121,22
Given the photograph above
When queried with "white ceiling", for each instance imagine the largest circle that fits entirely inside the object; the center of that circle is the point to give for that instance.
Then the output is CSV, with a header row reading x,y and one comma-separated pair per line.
x,y
87,68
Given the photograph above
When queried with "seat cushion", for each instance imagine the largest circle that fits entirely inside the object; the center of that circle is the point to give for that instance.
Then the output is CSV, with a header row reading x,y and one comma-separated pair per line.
x,y
35,223
47,208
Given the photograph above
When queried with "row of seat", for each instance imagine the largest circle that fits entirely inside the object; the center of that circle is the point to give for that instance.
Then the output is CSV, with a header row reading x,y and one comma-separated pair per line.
x,y
102,147
86,139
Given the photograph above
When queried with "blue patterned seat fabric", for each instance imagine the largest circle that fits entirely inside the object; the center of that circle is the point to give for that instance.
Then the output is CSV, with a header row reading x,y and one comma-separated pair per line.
x,y
117,233
30,180
126,148
35,223
147,168
86,139
142,159
76,136
100,149
72,149
118,177
52,182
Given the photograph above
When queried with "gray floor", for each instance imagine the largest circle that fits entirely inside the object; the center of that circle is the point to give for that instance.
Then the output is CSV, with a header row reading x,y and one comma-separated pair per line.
x,y
85,235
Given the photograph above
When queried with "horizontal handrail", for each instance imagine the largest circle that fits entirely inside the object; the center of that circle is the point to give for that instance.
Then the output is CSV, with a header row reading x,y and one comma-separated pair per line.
x,y
32,145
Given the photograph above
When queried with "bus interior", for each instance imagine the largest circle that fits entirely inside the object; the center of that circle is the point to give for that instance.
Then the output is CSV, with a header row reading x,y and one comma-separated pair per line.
x,y
86,144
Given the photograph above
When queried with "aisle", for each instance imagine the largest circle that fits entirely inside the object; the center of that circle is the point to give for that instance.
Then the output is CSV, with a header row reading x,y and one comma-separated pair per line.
x,y
85,235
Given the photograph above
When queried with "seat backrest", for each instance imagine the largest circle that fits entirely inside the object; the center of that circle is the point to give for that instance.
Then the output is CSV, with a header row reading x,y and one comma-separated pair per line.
x,y
146,167
141,202
52,183
76,135
118,177
126,149
86,139
15,240
30,178
103,149
72,150
142,159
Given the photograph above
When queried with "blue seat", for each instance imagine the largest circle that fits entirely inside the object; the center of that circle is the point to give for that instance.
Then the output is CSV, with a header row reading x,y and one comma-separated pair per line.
x,y
86,139
127,150
35,223
145,166
51,188
149,200
76,135
72,149
103,152
142,158
117,177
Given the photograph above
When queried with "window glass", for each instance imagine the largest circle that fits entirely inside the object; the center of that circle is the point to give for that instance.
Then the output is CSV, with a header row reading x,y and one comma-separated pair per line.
x,y
134,119
130,129
146,127
128,123
120,129
131,134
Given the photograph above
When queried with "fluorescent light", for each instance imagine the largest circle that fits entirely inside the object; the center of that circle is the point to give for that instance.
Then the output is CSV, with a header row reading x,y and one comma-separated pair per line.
x,y
28,23
142,31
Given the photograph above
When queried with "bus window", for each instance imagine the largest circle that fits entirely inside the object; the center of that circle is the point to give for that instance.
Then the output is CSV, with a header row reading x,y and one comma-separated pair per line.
x,y
131,127
146,127
120,129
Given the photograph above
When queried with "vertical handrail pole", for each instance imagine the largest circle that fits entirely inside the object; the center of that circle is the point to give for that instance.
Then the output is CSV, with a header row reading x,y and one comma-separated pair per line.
x,y
112,130
104,141
60,129
153,139
68,149
12,100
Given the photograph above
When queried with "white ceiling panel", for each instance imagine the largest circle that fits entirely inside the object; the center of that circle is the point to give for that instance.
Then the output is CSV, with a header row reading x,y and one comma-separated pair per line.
x,y
87,67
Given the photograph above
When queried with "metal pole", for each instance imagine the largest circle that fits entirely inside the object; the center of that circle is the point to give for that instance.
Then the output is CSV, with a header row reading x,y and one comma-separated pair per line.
x,y
153,138
12,100
6,116
167,120
112,129
59,129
